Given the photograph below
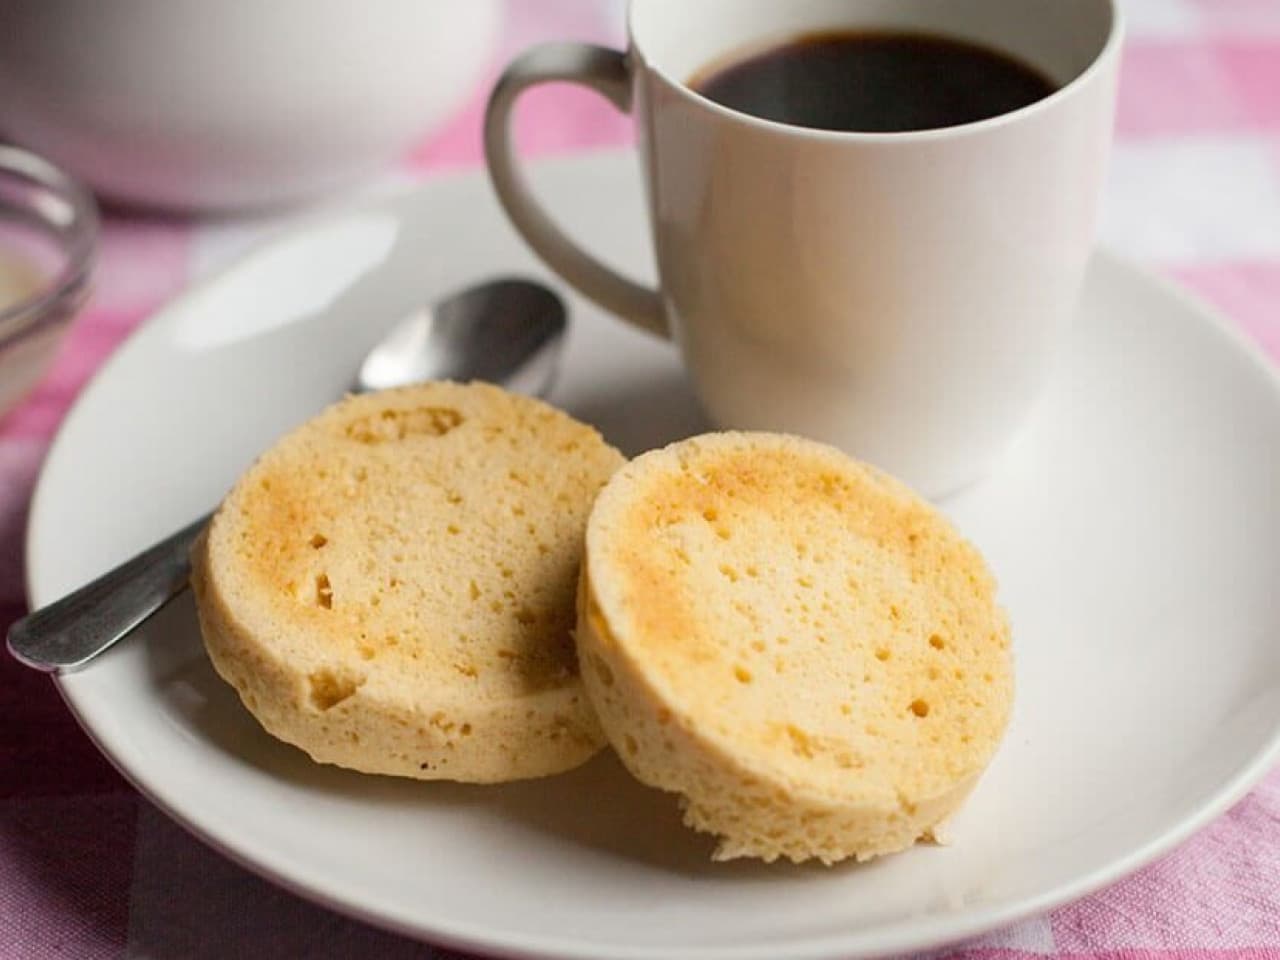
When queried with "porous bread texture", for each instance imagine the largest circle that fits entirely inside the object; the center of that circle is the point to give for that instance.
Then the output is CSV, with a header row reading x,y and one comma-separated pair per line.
x,y
799,646
391,586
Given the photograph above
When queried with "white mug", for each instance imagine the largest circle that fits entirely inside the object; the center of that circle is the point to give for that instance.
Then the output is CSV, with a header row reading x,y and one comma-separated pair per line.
x,y
900,295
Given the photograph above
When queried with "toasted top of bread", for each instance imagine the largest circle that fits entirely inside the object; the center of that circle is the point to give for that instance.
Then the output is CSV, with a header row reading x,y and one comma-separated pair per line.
x,y
391,585
764,615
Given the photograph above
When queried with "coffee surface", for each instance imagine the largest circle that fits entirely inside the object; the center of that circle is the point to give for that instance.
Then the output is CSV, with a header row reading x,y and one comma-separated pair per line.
x,y
874,82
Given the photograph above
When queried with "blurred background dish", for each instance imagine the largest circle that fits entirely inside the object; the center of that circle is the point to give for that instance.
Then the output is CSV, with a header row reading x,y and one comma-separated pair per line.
x,y
48,235
239,104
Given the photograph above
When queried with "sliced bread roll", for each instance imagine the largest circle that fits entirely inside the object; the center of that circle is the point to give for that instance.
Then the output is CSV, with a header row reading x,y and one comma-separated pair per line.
x,y
391,586
796,644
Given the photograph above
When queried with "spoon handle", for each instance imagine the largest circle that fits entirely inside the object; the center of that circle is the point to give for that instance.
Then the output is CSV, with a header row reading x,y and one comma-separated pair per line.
x,y
68,633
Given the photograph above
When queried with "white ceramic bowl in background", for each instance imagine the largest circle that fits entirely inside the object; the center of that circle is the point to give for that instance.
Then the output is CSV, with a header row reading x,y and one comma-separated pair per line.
x,y
236,104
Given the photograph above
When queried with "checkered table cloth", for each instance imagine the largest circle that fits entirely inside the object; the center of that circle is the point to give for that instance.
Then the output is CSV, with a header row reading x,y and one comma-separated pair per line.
x,y
88,869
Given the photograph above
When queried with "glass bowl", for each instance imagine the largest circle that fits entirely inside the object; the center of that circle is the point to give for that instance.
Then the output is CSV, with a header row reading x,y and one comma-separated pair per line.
x,y
48,240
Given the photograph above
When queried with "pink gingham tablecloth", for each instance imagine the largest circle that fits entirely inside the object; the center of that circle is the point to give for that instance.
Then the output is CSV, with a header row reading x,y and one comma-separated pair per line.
x,y
88,869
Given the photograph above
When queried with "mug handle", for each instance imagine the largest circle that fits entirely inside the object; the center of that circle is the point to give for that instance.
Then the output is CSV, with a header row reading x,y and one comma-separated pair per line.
x,y
606,72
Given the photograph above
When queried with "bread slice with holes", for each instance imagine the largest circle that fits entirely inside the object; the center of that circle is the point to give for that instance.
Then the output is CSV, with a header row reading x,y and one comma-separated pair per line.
x,y
391,586
799,646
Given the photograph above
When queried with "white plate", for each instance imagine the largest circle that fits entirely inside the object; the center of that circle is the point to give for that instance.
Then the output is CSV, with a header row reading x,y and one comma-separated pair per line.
x,y
1134,526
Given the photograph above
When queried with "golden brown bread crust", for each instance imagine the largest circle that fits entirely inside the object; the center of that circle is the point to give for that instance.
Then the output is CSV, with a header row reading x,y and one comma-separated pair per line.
x,y
391,586
800,647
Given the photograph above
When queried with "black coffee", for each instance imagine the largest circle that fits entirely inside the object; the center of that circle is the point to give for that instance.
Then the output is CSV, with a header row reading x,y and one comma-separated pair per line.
x,y
874,82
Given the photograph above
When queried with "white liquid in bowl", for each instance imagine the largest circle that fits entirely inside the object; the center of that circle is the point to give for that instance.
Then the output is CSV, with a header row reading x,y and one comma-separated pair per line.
x,y
24,356
20,278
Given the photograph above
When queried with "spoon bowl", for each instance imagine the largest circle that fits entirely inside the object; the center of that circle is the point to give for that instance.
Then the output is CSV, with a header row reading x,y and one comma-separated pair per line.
x,y
507,331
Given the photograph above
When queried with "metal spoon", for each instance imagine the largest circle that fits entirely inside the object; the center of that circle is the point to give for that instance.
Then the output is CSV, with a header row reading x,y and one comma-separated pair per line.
x,y
506,331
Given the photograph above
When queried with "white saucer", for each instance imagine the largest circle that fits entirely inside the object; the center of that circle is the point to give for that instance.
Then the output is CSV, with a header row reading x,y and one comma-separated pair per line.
x,y
1135,528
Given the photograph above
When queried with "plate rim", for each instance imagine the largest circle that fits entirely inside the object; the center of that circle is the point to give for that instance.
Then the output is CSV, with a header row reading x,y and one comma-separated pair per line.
x,y
903,936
